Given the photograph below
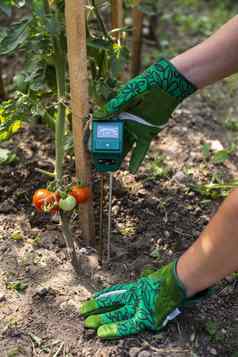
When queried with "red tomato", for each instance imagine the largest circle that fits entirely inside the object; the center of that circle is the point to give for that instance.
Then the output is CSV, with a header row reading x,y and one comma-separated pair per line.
x,y
81,194
46,201
39,197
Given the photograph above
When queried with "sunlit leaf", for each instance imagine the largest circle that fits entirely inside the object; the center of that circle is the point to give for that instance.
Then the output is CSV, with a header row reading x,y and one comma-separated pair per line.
x,y
8,126
6,156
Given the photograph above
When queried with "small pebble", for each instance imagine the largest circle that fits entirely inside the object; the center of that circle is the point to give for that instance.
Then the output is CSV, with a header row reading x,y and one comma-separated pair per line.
x,y
2,297
166,234
204,219
179,177
144,354
133,352
142,192
216,145
42,291
197,210
213,351
115,210
192,337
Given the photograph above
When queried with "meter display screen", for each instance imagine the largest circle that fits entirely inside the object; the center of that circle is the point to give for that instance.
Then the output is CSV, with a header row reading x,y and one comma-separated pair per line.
x,y
107,131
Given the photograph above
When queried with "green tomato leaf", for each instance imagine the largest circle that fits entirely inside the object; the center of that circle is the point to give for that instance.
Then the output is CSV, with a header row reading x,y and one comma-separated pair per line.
x,y
20,83
99,43
6,8
16,36
3,33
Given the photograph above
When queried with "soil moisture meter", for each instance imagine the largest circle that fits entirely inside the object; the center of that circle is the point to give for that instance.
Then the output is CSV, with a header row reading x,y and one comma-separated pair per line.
x,y
107,152
107,144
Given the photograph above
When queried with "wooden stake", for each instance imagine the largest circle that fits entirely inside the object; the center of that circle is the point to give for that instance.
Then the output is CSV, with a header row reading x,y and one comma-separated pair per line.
x,y
137,20
117,22
77,59
117,17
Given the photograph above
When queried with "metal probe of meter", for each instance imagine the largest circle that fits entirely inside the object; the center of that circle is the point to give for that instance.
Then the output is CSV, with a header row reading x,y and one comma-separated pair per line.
x,y
106,146
107,153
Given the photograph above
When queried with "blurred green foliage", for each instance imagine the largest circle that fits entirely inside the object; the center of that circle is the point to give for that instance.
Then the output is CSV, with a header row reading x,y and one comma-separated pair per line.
x,y
35,38
184,23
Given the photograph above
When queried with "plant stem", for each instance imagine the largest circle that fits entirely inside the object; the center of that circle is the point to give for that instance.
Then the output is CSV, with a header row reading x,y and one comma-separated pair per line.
x,y
100,21
69,241
50,121
45,172
59,146
2,91
46,6
60,67
60,122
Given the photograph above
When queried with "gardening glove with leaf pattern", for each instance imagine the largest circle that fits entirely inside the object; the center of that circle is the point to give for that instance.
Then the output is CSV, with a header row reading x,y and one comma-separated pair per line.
x,y
145,304
153,96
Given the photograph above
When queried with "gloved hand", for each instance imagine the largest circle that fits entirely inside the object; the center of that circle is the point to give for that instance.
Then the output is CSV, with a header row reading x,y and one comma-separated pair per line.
x,y
153,95
126,309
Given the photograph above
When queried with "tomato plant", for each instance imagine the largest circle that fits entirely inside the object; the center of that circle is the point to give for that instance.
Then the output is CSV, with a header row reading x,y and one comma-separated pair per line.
x,y
41,88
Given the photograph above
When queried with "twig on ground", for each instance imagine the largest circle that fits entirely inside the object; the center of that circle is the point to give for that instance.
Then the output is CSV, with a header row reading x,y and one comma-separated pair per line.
x,y
59,350
183,233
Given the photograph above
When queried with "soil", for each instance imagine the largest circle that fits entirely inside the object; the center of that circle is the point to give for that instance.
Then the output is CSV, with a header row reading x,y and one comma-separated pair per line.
x,y
150,215
155,219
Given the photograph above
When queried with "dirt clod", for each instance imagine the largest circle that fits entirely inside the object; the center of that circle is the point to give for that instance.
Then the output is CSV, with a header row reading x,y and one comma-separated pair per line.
x,y
2,298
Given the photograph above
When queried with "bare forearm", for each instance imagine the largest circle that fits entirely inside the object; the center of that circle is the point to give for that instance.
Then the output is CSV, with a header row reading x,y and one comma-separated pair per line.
x,y
214,254
213,59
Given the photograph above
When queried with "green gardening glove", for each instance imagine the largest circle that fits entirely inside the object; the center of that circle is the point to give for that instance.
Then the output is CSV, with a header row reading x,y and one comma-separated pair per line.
x,y
153,96
145,304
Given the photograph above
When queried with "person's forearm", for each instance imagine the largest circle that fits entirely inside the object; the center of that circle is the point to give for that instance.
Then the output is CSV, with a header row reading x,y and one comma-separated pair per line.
x,y
214,254
213,59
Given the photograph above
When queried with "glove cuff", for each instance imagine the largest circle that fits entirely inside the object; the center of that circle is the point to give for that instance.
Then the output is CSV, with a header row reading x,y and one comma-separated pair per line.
x,y
168,276
165,75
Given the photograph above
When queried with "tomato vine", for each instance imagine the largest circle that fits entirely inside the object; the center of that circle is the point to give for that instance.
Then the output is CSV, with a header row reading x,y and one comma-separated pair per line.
x,y
41,88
